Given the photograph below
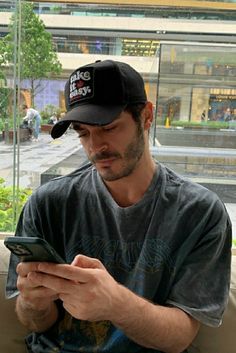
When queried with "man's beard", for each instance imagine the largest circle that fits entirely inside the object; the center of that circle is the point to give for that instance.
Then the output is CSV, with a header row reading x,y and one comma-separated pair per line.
x,y
130,158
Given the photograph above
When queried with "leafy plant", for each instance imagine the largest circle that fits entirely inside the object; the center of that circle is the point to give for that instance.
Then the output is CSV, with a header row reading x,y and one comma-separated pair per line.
x,y
6,124
1,124
7,205
55,9
207,124
50,110
4,107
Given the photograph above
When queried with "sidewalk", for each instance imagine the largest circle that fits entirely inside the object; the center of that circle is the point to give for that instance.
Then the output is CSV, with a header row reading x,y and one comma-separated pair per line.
x,y
38,157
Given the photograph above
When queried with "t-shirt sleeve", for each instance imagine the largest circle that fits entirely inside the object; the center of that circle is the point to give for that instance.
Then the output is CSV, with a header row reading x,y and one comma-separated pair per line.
x,y
201,285
26,227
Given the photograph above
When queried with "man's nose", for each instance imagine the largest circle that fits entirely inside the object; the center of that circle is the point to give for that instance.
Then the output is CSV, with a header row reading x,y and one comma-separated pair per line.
x,y
97,143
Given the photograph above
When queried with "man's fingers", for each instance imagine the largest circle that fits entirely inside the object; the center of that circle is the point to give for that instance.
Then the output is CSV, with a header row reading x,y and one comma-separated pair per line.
x,y
73,273
87,262
23,268
30,287
53,283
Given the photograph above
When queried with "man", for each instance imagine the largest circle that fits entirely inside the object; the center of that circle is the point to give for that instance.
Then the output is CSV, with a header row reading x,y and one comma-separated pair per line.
x,y
33,119
227,115
148,252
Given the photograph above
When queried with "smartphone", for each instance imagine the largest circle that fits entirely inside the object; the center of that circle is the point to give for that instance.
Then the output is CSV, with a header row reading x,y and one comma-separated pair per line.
x,y
30,249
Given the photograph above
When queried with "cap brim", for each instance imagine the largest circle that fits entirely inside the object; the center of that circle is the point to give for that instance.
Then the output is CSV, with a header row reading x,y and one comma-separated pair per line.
x,y
91,114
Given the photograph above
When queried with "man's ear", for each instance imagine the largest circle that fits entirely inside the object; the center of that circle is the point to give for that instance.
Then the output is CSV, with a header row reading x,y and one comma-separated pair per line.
x,y
148,115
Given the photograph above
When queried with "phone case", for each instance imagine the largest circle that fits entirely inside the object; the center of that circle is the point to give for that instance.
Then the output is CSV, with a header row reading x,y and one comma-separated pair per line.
x,y
30,249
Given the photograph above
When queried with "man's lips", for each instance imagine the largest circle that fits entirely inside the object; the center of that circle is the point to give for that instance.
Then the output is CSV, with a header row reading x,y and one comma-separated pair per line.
x,y
104,157
105,162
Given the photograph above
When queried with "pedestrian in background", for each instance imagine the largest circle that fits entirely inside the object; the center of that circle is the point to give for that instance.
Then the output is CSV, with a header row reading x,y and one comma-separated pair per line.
x,y
34,119
227,115
203,116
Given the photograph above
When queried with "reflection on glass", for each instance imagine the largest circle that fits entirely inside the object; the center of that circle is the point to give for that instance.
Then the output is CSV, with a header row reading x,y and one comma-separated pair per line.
x,y
191,89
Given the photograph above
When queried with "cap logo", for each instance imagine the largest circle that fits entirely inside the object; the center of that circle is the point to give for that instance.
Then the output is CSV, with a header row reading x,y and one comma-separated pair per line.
x,y
81,85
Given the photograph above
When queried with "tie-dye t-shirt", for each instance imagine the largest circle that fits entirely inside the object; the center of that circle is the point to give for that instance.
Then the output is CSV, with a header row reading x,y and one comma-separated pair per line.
x,y
172,247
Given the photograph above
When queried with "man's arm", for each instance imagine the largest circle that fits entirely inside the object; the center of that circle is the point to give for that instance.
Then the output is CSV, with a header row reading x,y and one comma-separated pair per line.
x,y
90,293
27,116
35,305
168,329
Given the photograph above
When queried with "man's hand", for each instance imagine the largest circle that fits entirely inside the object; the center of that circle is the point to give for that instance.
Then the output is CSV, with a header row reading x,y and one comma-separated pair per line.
x,y
35,306
32,293
86,288
89,292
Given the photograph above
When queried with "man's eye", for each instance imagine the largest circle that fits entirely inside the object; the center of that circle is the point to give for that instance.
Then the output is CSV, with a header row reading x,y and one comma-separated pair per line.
x,y
82,134
109,128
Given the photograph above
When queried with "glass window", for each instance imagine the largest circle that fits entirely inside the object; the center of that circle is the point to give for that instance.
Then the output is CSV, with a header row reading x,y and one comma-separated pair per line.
x,y
195,121
189,78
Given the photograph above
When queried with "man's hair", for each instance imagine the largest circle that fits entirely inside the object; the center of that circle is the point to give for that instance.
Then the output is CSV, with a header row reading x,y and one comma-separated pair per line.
x,y
24,106
135,110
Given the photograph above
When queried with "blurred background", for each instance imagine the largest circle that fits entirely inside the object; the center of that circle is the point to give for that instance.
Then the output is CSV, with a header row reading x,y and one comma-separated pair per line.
x,y
185,51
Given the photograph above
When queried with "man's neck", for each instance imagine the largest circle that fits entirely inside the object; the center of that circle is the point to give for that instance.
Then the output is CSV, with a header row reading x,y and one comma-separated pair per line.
x,y
129,190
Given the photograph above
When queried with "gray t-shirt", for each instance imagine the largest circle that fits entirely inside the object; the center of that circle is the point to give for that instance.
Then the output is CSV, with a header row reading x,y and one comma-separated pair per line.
x,y
173,247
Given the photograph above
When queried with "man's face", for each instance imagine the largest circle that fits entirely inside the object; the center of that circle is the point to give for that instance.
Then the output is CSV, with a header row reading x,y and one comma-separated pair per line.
x,y
114,149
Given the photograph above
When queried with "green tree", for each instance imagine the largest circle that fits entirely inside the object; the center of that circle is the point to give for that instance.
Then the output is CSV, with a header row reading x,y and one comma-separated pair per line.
x,y
37,57
3,61
4,92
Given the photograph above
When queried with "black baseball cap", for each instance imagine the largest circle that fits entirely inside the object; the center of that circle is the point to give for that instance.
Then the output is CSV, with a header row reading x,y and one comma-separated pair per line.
x,y
97,93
